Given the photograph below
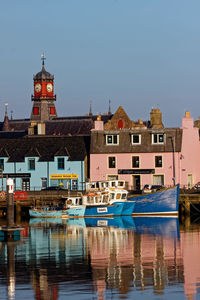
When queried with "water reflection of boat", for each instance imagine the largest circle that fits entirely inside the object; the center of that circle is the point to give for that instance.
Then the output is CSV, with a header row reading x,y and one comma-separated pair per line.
x,y
105,222
33,221
164,226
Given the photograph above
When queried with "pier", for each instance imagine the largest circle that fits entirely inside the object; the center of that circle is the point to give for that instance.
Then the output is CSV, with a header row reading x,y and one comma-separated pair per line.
x,y
23,200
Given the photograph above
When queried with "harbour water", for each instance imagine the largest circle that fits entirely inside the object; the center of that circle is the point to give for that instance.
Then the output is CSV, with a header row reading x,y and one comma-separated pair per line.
x,y
113,258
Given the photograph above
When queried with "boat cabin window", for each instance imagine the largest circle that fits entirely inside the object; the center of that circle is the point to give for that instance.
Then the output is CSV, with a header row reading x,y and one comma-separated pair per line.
x,y
98,199
77,201
120,183
112,196
105,199
101,185
113,183
124,196
89,199
118,196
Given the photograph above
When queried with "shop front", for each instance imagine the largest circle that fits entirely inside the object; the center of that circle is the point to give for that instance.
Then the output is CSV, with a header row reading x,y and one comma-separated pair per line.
x,y
67,181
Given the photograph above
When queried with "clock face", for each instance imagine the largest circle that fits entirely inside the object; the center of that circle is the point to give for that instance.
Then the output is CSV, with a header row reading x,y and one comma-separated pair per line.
x,y
38,87
49,87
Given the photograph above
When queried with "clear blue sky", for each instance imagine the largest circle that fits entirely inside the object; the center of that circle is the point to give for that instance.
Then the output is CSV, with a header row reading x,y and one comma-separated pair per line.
x,y
138,53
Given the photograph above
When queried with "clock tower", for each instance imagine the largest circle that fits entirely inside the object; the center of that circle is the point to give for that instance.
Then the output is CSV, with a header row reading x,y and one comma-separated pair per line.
x,y
43,98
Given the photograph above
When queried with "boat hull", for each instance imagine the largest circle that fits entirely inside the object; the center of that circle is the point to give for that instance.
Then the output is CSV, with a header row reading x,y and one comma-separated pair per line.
x,y
128,208
162,202
78,211
114,209
96,211
41,213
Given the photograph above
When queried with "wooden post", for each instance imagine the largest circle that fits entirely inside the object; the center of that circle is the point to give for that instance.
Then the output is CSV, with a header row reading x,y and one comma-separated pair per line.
x,y
18,212
187,206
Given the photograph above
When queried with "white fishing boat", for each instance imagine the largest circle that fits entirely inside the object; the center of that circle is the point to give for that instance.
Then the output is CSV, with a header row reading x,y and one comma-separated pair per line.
x,y
100,203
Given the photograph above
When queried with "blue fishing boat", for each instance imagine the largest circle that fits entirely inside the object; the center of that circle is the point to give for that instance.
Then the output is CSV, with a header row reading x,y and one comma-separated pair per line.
x,y
99,204
161,202
46,212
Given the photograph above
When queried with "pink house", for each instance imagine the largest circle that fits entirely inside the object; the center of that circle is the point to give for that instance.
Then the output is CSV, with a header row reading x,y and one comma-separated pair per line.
x,y
145,152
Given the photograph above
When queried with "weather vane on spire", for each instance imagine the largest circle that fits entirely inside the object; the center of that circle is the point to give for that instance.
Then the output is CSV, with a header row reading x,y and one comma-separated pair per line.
x,y
6,108
43,59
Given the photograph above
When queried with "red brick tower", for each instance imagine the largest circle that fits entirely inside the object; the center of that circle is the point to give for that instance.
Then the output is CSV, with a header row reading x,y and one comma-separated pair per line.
x,y
43,98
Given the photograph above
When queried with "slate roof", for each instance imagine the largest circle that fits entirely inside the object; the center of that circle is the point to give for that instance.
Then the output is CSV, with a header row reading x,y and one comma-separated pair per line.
x,y
16,149
98,144
43,75
77,125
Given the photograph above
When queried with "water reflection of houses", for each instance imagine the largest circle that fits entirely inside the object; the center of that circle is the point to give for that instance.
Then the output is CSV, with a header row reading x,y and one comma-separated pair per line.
x,y
105,259
190,245
121,259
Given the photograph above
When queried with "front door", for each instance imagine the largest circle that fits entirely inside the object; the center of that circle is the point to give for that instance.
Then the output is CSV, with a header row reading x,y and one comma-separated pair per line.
x,y
25,184
136,182
190,181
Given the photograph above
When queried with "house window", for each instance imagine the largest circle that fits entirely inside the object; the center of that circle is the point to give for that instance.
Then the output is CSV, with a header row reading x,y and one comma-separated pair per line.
x,y
1,164
111,162
135,162
158,161
112,139
36,110
44,182
61,163
31,164
158,138
112,177
136,139
52,110
158,179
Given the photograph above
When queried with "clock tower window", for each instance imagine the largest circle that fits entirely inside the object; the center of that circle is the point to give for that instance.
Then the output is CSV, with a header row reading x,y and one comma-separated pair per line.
x,y
36,110
52,110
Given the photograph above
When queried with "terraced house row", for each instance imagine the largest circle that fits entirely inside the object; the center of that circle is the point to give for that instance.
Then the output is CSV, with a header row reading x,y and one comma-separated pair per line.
x,y
47,150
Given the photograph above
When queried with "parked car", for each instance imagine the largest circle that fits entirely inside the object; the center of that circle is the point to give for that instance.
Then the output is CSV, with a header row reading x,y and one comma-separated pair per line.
x,y
197,186
150,188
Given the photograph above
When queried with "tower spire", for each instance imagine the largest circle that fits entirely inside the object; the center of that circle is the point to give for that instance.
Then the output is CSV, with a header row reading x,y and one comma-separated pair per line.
x,y
43,59
6,124
109,109
90,112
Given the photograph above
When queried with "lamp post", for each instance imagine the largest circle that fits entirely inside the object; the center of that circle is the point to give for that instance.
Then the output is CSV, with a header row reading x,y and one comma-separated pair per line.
x,y
1,172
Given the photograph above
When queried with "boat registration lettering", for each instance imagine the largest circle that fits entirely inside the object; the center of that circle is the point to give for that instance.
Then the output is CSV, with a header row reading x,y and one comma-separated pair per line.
x,y
102,209
102,223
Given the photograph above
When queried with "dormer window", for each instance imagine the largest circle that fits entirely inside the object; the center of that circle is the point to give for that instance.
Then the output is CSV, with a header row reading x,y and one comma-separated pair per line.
x,y
136,139
158,138
31,164
112,139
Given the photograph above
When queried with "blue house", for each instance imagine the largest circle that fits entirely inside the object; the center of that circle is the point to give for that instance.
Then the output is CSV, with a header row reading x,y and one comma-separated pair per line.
x,y
36,161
